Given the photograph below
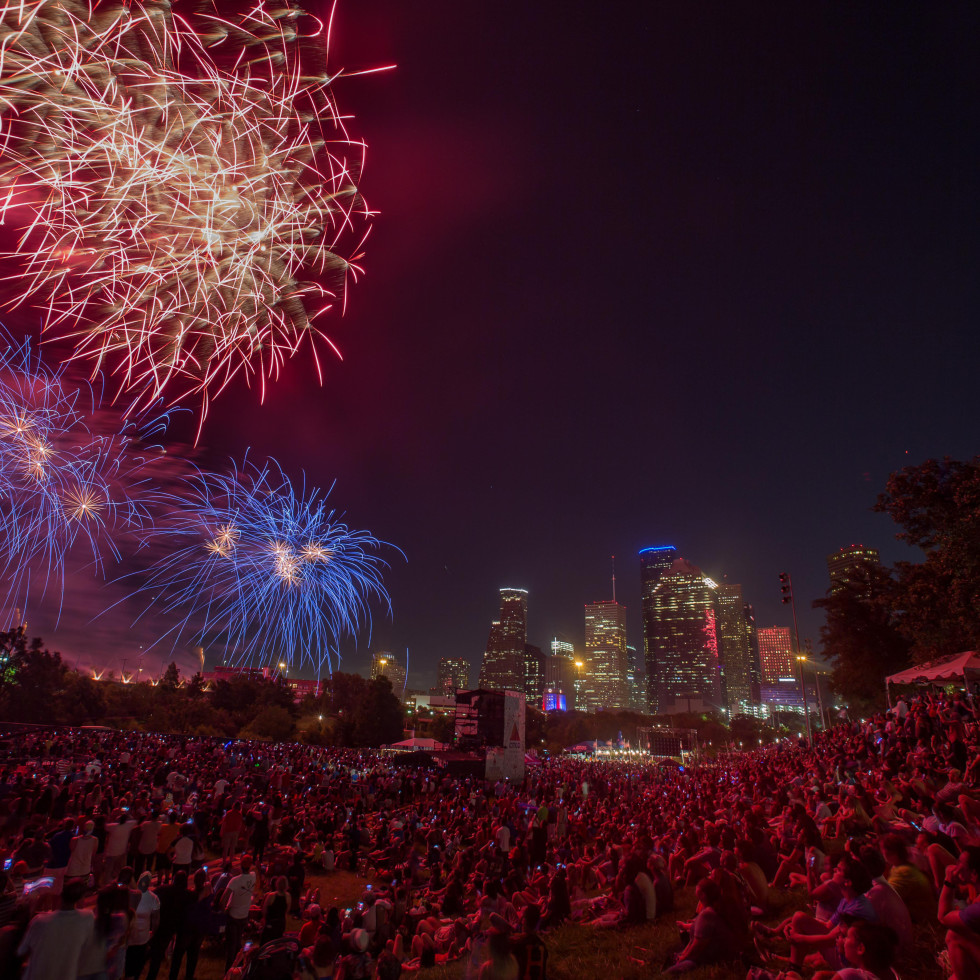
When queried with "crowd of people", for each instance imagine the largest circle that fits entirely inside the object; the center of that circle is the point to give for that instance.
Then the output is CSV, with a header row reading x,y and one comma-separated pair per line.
x,y
128,853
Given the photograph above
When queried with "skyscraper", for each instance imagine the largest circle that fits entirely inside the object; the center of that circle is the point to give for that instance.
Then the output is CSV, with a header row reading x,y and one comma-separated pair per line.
x,y
534,664
559,673
682,641
736,646
634,680
653,563
503,661
776,654
848,566
780,683
606,663
755,671
385,664
454,675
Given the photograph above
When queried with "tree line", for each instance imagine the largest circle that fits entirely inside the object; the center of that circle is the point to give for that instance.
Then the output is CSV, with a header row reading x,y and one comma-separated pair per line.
x,y
887,618
37,686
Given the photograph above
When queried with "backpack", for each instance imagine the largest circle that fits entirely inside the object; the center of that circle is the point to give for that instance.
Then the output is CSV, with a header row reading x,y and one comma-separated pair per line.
x,y
276,960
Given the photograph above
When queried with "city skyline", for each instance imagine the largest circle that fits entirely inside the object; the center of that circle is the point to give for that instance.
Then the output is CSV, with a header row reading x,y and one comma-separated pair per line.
x,y
698,320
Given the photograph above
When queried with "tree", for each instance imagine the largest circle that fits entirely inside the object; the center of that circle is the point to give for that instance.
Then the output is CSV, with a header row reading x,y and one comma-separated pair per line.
x,y
379,718
272,722
83,700
862,636
937,505
32,678
195,687
749,730
362,712
444,728
170,680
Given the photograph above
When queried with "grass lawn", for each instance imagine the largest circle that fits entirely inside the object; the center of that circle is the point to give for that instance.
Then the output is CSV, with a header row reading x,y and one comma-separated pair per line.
x,y
577,952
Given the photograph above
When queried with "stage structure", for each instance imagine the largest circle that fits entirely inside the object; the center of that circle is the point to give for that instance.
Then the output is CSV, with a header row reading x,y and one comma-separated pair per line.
x,y
679,744
492,723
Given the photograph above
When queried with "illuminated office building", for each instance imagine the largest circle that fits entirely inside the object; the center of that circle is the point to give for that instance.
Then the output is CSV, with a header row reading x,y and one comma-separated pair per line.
x,y
653,563
606,664
562,648
776,655
559,674
634,680
385,664
454,675
681,623
534,666
848,567
503,660
738,666
780,673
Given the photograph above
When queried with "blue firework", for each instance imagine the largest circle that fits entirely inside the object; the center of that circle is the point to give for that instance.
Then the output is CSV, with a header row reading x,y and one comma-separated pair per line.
x,y
266,571
73,477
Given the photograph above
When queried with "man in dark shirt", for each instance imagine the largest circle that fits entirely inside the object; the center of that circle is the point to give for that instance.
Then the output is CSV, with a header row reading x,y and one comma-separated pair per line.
x,y
60,843
8,900
175,901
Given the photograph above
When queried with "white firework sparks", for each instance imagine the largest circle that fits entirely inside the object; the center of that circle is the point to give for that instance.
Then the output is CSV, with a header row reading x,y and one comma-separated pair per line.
x,y
184,206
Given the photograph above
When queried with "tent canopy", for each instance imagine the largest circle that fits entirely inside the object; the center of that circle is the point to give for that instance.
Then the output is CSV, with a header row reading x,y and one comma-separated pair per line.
x,y
423,744
936,671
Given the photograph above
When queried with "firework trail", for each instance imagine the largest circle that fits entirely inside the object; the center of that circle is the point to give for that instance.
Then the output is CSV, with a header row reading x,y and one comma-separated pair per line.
x,y
182,204
71,479
267,571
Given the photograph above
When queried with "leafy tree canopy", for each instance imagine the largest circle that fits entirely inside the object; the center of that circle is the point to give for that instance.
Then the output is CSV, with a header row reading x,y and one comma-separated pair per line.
x,y
862,636
937,506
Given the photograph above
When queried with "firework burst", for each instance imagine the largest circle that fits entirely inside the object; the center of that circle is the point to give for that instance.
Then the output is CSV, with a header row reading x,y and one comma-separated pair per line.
x,y
184,205
267,571
68,476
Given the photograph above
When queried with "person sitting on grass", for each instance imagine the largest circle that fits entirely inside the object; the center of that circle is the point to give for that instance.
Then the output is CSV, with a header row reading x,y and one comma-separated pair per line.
x,y
870,949
807,935
711,938
912,885
962,925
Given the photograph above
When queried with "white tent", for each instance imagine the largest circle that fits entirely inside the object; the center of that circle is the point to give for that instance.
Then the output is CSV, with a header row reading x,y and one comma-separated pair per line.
x,y
418,745
961,667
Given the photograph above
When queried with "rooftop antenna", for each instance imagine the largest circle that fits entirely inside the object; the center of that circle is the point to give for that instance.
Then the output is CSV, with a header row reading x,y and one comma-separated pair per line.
x,y
613,559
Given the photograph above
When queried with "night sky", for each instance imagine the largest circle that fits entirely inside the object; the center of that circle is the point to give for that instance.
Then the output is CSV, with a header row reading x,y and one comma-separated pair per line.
x,y
641,274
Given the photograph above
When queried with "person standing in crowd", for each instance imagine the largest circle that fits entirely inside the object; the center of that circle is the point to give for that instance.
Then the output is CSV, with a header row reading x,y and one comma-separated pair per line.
x,y
274,910
237,904
118,832
146,919
54,941
175,899
182,852
83,848
191,933
60,844
231,828
147,840
165,838
100,954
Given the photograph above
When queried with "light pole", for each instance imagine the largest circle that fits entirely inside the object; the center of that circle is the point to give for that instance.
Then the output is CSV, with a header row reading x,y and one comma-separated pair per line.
x,y
801,660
